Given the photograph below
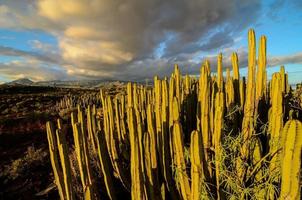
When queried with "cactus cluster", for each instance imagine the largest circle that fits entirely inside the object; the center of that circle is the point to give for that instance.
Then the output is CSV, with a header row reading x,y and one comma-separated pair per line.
x,y
170,141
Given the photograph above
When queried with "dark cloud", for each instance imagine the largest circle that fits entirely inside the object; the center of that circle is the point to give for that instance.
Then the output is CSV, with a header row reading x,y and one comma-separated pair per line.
x,y
105,38
8,51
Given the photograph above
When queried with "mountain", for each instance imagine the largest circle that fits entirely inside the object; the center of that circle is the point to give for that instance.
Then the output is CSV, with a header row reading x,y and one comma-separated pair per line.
x,y
68,83
21,81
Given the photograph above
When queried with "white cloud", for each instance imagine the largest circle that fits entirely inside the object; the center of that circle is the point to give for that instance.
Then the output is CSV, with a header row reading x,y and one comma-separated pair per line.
x,y
283,60
33,69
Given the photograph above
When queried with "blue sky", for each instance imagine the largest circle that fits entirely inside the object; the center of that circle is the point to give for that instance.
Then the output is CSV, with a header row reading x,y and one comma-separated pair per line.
x,y
52,39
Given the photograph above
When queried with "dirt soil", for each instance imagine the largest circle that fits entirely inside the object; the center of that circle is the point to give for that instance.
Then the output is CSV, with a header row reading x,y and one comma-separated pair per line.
x,y
25,170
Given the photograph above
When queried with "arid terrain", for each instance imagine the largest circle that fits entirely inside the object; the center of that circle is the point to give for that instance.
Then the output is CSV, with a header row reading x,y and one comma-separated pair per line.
x,y
25,169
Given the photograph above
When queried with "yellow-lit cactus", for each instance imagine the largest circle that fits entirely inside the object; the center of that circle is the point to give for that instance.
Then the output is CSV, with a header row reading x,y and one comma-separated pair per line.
x,y
83,161
291,160
196,165
229,89
275,120
219,109
105,164
182,177
54,159
187,138
219,73
261,70
204,102
249,106
137,180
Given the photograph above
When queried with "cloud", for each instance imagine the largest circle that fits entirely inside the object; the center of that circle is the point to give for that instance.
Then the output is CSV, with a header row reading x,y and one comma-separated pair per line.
x,y
8,51
33,69
44,47
104,38
283,60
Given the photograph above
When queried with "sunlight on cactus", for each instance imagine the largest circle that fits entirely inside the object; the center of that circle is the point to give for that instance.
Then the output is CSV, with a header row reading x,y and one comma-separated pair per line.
x,y
206,137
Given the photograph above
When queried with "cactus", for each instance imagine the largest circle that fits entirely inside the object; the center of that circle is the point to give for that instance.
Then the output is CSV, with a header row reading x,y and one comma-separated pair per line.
x,y
230,92
54,158
275,120
291,162
249,106
261,71
137,183
211,137
91,128
182,177
196,164
219,73
83,158
204,102
242,90
112,142
219,109
63,152
105,164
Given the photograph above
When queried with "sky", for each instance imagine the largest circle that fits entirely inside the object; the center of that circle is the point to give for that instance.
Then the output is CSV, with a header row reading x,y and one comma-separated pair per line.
x,y
135,40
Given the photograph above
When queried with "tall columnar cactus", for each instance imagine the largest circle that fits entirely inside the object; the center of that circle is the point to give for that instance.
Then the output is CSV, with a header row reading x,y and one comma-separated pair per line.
x,y
177,84
91,128
291,160
81,148
230,92
140,132
275,120
257,158
138,190
214,90
235,66
236,77
150,144
249,106
113,144
242,90
196,165
63,152
219,73
178,145
283,80
164,138
54,159
204,104
105,164
151,182
117,122
219,109
261,70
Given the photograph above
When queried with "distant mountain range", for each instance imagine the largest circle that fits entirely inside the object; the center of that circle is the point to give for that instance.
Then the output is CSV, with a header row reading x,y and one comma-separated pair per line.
x,y
75,83
21,81
69,84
